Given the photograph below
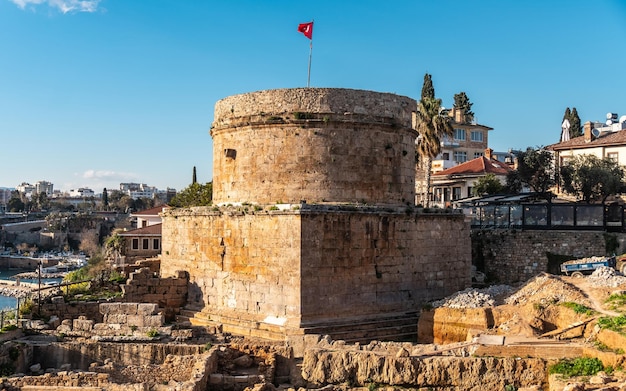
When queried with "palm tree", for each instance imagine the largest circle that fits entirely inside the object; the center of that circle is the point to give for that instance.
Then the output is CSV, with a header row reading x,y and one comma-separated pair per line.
x,y
432,126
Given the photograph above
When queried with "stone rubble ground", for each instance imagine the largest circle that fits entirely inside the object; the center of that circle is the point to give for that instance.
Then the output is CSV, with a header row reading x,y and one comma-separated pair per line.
x,y
544,287
606,277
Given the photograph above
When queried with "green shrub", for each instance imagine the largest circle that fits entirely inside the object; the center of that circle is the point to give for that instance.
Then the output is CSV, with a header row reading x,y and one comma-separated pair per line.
x,y
118,277
27,307
578,308
615,323
582,366
152,333
616,300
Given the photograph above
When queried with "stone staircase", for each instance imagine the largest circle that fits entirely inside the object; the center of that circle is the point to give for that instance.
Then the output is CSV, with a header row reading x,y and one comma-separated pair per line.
x,y
398,327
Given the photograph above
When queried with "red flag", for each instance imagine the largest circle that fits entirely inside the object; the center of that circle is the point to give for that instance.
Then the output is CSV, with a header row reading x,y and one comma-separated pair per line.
x,y
306,29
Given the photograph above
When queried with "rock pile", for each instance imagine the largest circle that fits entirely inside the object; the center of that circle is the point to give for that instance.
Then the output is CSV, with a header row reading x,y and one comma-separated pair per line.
x,y
474,298
606,277
548,288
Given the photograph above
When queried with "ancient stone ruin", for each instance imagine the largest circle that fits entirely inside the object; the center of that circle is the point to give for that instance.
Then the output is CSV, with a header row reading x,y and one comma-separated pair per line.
x,y
314,228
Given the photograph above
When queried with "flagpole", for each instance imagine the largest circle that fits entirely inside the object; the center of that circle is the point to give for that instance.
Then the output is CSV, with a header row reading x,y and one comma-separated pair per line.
x,y
308,80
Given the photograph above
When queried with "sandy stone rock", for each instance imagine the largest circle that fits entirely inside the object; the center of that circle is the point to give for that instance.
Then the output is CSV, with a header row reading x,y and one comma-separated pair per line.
x,y
601,378
402,352
574,387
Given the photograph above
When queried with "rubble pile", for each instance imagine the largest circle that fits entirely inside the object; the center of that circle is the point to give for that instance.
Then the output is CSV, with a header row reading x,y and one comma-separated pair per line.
x,y
474,298
606,277
579,261
548,288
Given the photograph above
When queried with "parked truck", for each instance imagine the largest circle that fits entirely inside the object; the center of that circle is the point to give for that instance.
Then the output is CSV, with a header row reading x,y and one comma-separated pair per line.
x,y
583,266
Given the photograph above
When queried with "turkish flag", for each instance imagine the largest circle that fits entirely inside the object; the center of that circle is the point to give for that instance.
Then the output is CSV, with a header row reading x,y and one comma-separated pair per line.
x,y
306,29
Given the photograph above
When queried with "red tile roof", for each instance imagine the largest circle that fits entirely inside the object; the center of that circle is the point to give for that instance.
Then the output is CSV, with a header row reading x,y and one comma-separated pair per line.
x,y
151,212
605,139
151,230
480,165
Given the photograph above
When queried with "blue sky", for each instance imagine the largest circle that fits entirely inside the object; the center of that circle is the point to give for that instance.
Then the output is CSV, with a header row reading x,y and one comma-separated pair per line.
x,y
94,93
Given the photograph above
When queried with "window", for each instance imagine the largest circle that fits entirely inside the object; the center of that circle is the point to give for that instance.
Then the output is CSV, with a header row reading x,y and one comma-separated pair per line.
x,y
459,134
477,154
613,156
456,193
155,244
145,243
135,244
446,156
460,156
477,136
469,191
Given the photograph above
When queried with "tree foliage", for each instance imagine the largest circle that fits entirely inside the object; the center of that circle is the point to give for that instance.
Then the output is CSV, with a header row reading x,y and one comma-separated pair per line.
x,y
462,102
488,184
535,169
15,203
576,128
194,178
591,179
105,198
514,183
428,91
431,128
195,194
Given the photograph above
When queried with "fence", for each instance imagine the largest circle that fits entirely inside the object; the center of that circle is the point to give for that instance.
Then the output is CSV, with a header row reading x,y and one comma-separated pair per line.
x,y
549,216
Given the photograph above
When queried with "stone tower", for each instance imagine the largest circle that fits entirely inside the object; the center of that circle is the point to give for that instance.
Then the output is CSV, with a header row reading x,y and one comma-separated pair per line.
x,y
314,228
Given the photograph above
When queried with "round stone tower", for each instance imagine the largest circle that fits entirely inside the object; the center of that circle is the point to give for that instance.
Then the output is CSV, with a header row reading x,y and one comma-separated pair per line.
x,y
314,145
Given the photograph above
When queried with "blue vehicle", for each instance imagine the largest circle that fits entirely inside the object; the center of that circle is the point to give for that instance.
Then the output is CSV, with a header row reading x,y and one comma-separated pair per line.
x,y
584,266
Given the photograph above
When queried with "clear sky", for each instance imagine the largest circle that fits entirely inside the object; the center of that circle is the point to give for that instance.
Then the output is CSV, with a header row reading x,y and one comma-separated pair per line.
x,y
94,93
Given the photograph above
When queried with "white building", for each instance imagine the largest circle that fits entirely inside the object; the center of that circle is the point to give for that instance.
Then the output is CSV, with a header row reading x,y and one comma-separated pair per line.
x,y
606,140
81,193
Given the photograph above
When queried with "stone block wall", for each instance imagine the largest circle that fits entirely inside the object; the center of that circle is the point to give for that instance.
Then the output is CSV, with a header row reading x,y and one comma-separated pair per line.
x,y
510,256
308,267
314,144
356,265
72,310
170,293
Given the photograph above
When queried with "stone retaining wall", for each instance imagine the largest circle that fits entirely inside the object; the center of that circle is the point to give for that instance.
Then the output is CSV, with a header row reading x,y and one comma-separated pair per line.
x,y
321,367
170,293
72,310
511,256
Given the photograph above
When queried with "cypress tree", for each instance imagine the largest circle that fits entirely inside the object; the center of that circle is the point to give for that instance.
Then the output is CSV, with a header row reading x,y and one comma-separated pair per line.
x,y
105,198
194,179
428,91
576,129
567,116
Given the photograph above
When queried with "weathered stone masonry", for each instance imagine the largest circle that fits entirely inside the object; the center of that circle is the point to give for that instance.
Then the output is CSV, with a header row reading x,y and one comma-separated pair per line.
x,y
314,227
511,256
314,144
285,271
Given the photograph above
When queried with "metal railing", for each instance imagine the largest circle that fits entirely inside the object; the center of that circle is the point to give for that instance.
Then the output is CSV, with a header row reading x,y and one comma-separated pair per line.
x,y
549,216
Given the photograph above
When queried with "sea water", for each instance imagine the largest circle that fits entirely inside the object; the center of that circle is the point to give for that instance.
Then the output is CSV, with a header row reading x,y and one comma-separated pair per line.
x,y
10,302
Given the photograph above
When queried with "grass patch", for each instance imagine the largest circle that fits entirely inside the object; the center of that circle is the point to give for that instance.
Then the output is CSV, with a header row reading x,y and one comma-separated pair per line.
x,y
578,308
582,366
614,323
616,301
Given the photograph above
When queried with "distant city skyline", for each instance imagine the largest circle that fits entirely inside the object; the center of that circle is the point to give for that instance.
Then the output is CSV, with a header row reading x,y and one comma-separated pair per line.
x,y
101,92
